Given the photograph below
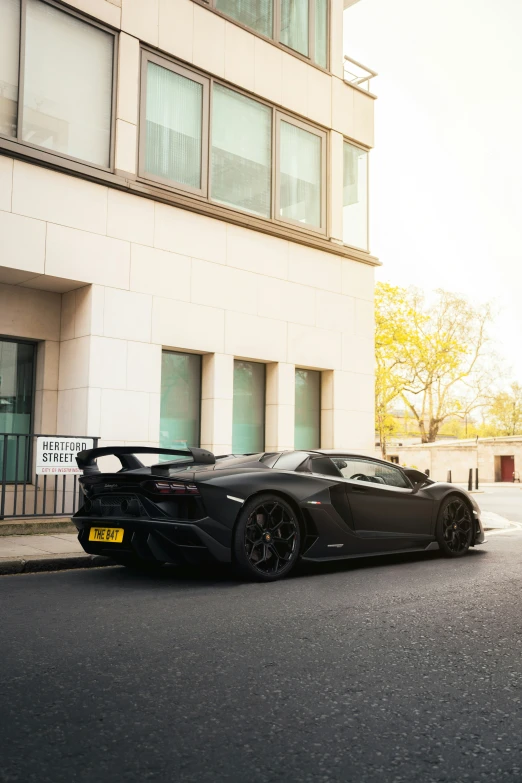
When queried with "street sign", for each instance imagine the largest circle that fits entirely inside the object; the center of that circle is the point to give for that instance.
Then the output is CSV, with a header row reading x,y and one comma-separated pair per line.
x,y
58,455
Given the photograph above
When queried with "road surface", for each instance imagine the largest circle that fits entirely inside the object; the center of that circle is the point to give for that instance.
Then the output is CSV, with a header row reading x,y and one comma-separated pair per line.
x,y
407,668
506,501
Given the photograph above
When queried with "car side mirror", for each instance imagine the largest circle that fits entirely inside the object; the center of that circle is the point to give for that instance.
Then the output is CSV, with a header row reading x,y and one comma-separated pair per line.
x,y
417,478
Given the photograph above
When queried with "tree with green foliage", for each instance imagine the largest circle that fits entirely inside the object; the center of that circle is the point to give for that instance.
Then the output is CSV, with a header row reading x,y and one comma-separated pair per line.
x,y
505,411
435,355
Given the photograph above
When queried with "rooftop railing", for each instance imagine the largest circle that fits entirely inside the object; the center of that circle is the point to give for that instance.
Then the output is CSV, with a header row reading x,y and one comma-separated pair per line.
x,y
357,74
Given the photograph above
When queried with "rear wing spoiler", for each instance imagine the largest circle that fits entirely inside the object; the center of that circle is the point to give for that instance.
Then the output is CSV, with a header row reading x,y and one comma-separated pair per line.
x,y
86,460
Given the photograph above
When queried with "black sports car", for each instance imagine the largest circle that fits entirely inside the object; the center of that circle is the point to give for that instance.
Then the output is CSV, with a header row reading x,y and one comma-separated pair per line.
x,y
264,512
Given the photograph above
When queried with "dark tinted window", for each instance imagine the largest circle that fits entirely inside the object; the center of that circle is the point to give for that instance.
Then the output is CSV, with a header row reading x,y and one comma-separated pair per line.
x,y
367,470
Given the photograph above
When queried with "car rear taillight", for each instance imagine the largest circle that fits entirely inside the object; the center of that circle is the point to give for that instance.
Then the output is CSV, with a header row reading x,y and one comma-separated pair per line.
x,y
171,488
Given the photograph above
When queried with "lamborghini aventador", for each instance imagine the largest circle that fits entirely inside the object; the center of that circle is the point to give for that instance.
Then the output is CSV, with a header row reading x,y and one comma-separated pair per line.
x,y
264,512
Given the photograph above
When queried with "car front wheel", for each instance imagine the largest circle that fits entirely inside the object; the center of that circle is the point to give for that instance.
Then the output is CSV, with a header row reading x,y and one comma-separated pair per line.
x,y
454,527
266,539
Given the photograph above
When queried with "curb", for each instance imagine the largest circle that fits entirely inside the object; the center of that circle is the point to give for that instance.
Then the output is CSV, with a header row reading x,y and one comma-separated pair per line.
x,y
34,565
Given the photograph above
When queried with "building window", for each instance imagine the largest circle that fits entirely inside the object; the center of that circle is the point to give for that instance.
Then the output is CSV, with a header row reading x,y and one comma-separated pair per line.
x,y
294,31
182,137
300,25
241,151
9,58
180,400
307,409
355,196
256,14
176,116
248,428
16,405
65,77
301,174
321,33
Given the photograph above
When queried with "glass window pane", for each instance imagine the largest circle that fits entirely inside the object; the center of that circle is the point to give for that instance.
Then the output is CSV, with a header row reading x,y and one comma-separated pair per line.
x,y
307,409
241,151
300,163
294,25
9,53
174,115
248,430
355,197
180,400
381,474
256,14
16,402
321,32
68,84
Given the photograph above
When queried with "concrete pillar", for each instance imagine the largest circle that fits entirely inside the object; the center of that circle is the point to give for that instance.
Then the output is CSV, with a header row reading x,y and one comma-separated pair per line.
x,y
280,406
335,186
217,392
109,377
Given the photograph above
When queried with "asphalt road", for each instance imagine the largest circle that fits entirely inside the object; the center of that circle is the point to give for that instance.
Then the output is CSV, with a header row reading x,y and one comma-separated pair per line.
x,y
407,668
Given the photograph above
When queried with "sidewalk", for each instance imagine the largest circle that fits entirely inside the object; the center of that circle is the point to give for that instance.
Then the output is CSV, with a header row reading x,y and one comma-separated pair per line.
x,y
29,554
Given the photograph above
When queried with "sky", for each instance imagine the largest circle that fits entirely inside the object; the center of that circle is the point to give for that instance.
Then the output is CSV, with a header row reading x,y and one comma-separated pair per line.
x,y
446,172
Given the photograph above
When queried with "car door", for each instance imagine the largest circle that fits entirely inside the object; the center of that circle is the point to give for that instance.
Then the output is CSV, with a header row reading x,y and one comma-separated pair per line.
x,y
382,500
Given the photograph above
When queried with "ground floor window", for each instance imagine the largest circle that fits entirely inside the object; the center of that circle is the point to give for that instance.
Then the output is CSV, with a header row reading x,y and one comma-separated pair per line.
x,y
307,409
248,428
17,360
180,412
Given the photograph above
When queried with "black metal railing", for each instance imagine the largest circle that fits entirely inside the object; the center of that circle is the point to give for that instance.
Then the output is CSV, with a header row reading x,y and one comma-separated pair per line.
x,y
25,493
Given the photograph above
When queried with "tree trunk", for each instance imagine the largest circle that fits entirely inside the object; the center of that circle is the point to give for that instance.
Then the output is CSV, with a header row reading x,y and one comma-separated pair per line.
x,y
423,433
433,431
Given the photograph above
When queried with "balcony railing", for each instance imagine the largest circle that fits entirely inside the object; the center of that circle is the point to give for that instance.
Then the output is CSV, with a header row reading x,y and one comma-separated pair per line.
x,y
358,75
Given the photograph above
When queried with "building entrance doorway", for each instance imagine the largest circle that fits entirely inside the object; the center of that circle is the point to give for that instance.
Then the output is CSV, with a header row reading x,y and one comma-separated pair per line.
x,y
507,468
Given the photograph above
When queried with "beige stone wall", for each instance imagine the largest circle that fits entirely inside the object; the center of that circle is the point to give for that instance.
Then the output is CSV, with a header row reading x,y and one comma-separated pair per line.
x,y
440,458
106,279
146,276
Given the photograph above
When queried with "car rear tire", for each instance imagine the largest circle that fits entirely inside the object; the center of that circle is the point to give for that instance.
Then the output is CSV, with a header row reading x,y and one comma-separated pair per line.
x,y
454,527
267,539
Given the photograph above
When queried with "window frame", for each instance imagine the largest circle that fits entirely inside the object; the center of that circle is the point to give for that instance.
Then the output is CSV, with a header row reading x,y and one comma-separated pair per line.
x,y
4,338
200,385
263,364
367,151
146,57
61,156
272,149
276,30
321,387
164,60
282,116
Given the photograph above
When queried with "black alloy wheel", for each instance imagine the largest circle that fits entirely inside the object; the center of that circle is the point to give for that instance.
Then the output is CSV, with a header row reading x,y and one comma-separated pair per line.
x,y
454,527
266,539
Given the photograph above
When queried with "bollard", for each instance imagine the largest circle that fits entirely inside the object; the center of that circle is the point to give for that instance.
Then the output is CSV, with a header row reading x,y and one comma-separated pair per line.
x,y
476,478
427,472
470,480
449,477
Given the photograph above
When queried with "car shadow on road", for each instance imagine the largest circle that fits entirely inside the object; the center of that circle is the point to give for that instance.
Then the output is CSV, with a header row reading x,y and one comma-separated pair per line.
x,y
214,575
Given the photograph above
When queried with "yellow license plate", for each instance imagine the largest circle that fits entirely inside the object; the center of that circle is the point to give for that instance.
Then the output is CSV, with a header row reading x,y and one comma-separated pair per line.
x,y
109,535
